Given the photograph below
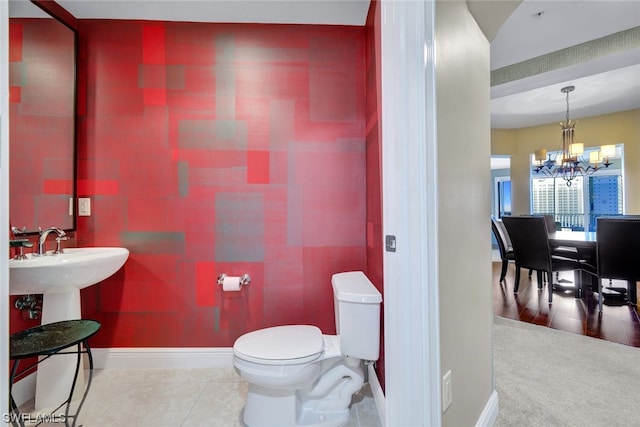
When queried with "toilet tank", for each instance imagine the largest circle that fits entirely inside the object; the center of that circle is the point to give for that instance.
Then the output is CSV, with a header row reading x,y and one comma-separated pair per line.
x,y
357,307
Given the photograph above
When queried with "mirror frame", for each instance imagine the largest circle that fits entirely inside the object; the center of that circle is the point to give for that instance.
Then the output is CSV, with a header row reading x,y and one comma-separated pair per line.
x,y
57,12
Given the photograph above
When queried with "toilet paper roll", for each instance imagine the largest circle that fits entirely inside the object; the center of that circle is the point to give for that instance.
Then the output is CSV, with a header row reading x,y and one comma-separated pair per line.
x,y
231,284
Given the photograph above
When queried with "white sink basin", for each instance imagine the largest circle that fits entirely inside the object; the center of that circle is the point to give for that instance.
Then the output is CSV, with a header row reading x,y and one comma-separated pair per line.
x,y
76,268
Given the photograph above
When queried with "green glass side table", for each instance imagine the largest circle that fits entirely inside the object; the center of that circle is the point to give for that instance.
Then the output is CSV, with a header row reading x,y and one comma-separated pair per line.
x,y
45,341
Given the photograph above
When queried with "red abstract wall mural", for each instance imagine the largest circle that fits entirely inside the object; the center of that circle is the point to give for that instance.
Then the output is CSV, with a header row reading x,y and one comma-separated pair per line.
x,y
220,148
374,164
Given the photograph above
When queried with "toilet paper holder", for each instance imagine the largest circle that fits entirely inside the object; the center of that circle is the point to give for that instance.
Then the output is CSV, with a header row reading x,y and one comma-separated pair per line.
x,y
245,279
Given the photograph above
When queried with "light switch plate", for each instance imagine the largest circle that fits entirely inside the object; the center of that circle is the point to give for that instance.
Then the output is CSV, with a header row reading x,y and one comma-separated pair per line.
x,y
447,394
390,243
84,206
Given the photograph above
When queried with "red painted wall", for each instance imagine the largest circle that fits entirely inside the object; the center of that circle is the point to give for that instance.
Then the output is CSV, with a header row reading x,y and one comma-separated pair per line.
x,y
213,148
374,164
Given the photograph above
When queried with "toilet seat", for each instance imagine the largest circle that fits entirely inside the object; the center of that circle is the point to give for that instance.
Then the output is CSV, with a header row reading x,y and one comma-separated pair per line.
x,y
280,345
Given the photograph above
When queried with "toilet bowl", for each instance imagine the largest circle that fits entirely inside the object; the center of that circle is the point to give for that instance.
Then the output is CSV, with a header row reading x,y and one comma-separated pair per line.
x,y
280,357
300,377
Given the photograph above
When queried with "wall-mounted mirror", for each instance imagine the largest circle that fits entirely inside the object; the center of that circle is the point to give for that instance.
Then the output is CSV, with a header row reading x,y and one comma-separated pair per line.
x,y
42,88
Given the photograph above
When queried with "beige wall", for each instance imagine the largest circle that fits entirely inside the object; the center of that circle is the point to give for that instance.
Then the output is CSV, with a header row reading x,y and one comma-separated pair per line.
x,y
463,133
502,142
613,128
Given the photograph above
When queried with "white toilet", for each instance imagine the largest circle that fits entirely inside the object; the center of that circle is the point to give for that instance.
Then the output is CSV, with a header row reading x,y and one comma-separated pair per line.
x,y
298,376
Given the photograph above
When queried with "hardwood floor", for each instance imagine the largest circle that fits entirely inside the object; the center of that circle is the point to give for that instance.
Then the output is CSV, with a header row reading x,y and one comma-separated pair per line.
x,y
617,323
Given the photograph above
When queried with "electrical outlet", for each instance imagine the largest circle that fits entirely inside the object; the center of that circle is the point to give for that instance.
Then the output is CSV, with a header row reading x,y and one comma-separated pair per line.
x,y
84,206
447,395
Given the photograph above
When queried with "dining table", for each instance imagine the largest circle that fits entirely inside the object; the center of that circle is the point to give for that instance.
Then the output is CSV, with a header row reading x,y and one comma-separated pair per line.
x,y
585,243
585,240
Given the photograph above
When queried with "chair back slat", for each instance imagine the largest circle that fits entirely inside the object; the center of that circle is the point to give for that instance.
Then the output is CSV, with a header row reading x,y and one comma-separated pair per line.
x,y
618,248
500,233
530,241
505,234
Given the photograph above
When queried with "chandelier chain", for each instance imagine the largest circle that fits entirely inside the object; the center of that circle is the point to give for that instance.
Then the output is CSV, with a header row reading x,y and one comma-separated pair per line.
x,y
567,107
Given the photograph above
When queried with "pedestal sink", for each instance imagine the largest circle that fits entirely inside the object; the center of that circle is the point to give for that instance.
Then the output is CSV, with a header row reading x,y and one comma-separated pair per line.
x,y
59,278
76,268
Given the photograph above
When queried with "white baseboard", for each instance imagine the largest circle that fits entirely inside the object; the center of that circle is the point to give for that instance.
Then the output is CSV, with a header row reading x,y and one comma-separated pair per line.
x,y
490,413
162,357
378,394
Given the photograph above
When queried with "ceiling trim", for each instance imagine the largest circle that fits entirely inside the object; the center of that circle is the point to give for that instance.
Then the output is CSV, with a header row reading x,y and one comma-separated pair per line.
x,y
54,9
311,12
594,49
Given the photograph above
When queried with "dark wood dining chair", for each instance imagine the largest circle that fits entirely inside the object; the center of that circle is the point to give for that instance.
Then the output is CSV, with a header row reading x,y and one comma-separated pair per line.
x,y
504,245
618,254
530,241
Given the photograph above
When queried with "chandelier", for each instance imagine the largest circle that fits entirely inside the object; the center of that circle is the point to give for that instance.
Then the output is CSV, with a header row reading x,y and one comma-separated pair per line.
x,y
569,163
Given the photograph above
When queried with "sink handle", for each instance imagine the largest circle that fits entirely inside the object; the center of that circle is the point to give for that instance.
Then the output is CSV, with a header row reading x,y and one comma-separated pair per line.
x,y
20,244
16,230
59,249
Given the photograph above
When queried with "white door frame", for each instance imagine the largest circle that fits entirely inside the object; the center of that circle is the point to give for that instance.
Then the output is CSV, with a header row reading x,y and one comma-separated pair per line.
x,y
4,201
410,207
409,175
496,193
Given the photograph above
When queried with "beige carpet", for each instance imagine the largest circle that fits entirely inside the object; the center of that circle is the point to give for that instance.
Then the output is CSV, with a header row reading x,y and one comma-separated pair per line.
x,y
545,377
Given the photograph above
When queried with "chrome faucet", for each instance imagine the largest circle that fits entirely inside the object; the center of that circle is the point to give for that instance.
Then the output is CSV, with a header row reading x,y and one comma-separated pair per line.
x,y
42,250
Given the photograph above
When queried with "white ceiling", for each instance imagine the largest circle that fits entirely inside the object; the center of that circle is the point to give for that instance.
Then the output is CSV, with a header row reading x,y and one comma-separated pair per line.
x,y
333,12
562,24
603,85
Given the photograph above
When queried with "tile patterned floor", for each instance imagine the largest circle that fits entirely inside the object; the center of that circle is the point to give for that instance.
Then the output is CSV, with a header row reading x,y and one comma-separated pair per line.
x,y
181,397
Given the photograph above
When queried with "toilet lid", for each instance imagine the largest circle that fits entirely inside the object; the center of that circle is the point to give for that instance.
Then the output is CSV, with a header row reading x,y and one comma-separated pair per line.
x,y
280,344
